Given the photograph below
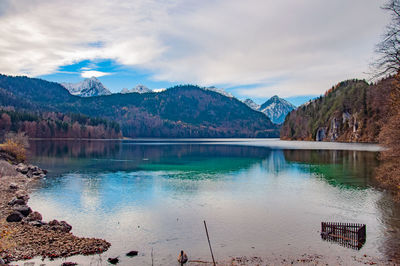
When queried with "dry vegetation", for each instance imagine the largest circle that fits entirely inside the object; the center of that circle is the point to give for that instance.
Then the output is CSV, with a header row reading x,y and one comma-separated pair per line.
x,y
15,145
389,172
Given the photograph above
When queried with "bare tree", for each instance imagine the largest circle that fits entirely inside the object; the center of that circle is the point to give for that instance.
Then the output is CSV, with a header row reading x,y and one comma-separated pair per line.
x,y
388,49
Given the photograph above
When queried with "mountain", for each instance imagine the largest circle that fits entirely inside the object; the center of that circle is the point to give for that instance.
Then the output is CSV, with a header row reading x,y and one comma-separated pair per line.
x,y
250,103
181,111
276,109
351,111
139,89
220,91
87,88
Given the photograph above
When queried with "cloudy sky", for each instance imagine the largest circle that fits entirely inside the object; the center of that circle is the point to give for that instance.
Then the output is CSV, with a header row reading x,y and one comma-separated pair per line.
x,y
253,48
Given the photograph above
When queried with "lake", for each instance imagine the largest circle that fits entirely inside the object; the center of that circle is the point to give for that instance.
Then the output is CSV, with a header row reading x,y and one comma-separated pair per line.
x,y
259,197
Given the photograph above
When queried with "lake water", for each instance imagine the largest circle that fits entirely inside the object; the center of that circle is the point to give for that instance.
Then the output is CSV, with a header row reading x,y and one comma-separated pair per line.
x,y
259,197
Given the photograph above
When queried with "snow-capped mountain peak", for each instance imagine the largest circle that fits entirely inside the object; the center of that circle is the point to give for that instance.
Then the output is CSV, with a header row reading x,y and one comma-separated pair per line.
x,y
87,88
139,89
276,109
250,103
220,91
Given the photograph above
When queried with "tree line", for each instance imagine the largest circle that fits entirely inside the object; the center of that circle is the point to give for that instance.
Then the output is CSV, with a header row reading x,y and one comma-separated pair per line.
x,y
57,125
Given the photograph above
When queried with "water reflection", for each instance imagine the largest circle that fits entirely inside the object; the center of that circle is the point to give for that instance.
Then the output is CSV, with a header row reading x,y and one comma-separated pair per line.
x,y
247,194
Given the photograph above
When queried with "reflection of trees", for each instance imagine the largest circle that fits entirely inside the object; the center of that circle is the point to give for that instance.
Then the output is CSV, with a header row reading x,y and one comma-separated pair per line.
x,y
74,148
338,167
390,217
97,156
122,149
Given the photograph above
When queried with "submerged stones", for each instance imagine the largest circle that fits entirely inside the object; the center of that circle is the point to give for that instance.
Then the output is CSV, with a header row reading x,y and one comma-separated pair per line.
x,y
132,253
113,260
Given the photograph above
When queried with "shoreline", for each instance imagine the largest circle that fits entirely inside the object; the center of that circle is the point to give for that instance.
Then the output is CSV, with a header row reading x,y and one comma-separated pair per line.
x,y
23,234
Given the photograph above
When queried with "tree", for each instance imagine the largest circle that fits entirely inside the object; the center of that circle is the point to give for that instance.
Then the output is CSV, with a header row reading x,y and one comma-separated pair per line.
x,y
388,50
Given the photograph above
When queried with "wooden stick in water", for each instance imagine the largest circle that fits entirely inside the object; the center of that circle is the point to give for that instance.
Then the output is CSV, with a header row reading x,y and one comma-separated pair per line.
x,y
209,244
152,261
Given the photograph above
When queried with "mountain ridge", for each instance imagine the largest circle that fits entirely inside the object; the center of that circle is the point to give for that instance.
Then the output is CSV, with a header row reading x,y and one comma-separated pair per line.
x,y
87,88
181,111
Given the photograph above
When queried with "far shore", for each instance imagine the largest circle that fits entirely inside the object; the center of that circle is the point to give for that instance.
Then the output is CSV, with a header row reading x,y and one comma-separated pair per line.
x,y
256,142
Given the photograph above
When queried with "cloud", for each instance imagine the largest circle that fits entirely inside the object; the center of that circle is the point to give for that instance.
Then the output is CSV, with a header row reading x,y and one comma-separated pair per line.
x,y
93,73
301,47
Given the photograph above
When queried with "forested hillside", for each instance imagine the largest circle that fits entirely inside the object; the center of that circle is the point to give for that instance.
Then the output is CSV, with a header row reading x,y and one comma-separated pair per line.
x,y
57,125
351,111
182,111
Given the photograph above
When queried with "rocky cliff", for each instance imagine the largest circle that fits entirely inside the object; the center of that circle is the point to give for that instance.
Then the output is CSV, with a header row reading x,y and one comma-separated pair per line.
x,y
351,111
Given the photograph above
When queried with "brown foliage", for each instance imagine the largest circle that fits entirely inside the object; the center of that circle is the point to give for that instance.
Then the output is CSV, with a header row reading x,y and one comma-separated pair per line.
x,y
16,145
389,172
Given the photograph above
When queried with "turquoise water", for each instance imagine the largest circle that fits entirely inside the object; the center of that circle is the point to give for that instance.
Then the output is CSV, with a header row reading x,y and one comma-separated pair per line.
x,y
259,197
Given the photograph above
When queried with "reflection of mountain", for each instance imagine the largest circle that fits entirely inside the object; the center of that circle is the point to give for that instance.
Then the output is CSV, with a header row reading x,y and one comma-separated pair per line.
x,y
111,156
342,168
109,174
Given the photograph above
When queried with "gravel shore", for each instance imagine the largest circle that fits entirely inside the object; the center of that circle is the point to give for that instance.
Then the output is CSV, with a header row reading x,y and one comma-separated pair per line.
x,y
23,234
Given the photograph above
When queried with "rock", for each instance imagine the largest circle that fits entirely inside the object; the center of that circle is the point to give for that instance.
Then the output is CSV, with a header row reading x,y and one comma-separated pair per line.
x,y
29,174
60,226
37,172
23,209
65,227
132,253
22,168
54,222
13,186
22,194
14,217
36,223
16,201
113,260
35,216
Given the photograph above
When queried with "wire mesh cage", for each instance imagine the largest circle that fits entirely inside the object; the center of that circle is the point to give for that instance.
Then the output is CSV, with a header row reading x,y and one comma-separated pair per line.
x,y
352,235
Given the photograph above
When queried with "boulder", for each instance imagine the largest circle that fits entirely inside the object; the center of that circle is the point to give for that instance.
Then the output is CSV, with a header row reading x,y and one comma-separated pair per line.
x,y
16,201
23,209
65,227
14,217
54,222
60,226
35,216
